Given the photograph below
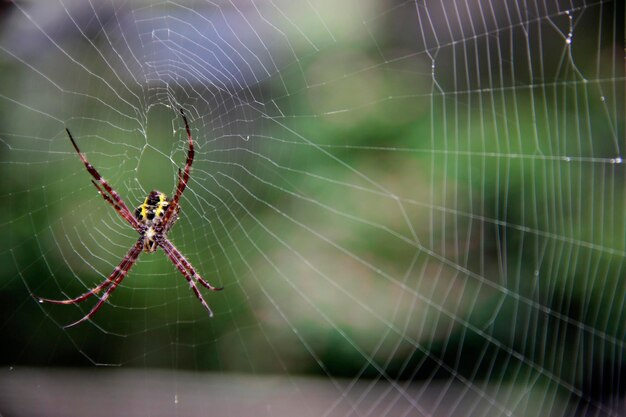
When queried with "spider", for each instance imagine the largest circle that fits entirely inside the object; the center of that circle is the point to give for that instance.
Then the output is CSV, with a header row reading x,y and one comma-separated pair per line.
x,y
152,220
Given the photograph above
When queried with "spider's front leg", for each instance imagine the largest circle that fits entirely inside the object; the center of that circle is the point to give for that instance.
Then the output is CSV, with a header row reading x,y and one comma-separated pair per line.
x,y
182,178
112,197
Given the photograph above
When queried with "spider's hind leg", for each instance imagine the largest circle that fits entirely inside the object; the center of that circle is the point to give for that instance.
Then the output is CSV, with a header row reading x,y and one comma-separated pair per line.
x,y
187,271
116,277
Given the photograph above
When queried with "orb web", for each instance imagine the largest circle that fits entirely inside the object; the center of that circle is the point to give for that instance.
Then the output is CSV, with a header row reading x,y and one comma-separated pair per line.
x,y
420,202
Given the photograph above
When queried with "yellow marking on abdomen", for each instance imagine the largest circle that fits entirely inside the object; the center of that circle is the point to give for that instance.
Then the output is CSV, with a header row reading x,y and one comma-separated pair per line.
x,y
144,210
161,205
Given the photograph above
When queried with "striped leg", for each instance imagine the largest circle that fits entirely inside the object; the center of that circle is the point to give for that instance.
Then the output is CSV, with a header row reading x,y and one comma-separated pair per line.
x,y
127,214
182,180
187,265
171,253
130,219
123,267
121,272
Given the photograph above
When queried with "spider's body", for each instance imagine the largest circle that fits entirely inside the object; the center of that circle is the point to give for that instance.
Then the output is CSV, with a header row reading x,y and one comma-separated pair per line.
x,y
152,220
150,216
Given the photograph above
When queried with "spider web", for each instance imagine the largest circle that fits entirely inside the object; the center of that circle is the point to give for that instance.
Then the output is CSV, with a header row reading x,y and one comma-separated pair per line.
x,y
419,205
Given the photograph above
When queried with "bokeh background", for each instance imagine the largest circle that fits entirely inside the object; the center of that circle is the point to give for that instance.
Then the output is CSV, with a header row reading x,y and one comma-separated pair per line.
x,y
414,207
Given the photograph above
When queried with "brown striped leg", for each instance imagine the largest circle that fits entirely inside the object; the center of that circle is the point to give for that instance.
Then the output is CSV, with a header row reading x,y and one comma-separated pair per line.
x,y
121,272
96,175
188,266
131,220
179,265
182,180
125,265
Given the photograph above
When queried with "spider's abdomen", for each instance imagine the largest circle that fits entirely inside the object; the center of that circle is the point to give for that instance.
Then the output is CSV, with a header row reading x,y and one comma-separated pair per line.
x,y
153,208
150,214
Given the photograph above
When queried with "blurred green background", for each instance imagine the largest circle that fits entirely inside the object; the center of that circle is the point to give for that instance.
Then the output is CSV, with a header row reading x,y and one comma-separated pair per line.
x,y
386,190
